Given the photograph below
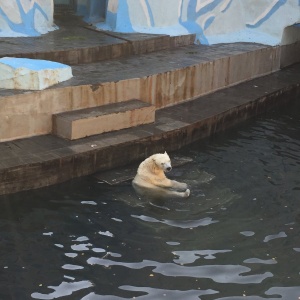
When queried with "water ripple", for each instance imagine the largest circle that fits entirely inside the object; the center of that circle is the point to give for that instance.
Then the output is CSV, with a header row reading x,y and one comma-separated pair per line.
x,y
247,233
187,257
245,298
181,224
81,247
260,261
72,267
218,273
89,202
81,239
288,293
281,234
64,289
152,293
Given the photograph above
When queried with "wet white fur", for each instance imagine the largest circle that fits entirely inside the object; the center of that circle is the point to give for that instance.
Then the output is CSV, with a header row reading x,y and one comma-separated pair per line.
x,y
151,180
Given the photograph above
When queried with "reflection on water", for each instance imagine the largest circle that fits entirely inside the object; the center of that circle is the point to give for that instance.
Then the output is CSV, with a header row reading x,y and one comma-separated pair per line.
x,y
181,224
235,238
218,273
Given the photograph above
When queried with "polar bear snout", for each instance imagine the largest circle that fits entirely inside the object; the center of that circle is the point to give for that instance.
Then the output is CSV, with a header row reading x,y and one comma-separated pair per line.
x,y
167,167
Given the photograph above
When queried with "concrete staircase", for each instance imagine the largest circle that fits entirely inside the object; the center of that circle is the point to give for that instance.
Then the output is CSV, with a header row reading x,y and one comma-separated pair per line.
x,y
161,79
111,68
82,111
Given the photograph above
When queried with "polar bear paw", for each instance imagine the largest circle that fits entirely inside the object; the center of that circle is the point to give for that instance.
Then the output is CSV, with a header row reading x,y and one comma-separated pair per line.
x,y
186,193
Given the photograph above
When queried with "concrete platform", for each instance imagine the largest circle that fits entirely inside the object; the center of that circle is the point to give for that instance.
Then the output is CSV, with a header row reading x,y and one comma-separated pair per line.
x,y
81,123
43,160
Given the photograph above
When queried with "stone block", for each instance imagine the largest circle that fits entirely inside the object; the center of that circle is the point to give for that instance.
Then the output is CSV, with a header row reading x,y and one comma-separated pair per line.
x,y
31,74
106,118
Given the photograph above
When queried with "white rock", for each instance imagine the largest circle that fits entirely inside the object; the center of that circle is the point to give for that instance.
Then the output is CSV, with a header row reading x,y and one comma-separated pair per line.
x,y
31,74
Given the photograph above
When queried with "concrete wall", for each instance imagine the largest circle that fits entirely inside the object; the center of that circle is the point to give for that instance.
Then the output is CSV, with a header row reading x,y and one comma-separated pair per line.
x,y
25,18
214,21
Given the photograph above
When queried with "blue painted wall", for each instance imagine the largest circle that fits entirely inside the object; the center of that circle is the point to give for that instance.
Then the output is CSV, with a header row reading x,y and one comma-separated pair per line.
x,y
213,21
26,18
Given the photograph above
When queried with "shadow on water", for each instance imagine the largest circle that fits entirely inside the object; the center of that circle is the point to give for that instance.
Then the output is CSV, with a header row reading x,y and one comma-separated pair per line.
x,y
236,237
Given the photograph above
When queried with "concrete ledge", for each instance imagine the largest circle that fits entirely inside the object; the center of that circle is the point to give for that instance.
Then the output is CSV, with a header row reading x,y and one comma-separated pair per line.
x,y
45,160
90,121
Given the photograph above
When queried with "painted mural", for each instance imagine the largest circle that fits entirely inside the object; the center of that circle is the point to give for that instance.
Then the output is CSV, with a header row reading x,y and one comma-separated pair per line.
x,y
25,17
213,21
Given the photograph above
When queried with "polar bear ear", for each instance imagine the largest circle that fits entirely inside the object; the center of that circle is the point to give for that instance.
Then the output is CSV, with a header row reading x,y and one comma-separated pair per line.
x,y
166,152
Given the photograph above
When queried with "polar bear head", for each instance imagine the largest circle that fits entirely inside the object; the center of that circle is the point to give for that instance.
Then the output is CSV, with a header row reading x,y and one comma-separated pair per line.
x,y
162,161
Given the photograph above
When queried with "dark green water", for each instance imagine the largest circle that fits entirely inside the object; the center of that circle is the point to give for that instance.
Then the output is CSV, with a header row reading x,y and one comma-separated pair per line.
x,y
236,238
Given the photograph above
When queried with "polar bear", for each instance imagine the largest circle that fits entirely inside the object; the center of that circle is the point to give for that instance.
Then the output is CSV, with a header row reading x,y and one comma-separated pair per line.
x,y
151,180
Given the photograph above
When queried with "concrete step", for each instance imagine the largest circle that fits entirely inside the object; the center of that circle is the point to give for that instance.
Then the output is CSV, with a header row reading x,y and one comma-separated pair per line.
x,y
81,123
77,43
